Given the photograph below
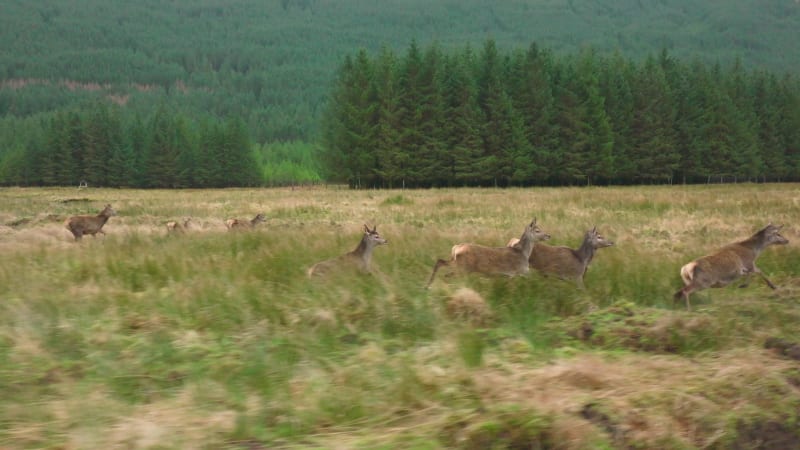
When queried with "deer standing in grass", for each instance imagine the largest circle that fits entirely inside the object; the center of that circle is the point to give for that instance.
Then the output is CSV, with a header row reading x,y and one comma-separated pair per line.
x,y
729,263
236,224
175,227
360,258
510,260
80,225
564,262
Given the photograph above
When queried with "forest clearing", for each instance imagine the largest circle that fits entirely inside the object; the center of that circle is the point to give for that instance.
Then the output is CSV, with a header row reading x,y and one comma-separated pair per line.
x,y
147,338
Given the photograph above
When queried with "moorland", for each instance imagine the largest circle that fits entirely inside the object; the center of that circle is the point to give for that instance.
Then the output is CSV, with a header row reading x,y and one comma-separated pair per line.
x,y
214,339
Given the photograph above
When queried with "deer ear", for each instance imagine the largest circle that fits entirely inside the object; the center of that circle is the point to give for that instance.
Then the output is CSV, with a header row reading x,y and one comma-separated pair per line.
x,y
366,228
594,229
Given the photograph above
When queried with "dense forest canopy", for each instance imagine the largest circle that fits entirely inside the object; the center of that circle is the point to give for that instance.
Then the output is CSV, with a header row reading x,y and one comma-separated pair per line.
x,y
486,117
270,66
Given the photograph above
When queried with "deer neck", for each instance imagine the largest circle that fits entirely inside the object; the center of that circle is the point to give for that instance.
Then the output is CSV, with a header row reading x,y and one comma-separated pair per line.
x,y
756,243
363,251
103,216
586,252
526,245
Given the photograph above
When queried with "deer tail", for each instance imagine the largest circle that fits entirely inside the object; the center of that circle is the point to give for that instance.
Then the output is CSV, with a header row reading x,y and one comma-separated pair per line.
x,y
687,272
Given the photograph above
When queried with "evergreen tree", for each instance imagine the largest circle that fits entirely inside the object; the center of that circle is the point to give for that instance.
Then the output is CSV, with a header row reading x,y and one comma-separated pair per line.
x,y
615,77
412,100
385,91
532,99
97,145
162,152
501,130
770,140
652,126
747,157
463,129
598,157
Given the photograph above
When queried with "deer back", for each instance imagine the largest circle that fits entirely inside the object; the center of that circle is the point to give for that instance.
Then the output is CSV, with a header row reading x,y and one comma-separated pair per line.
x,y
85,224
360,258
489,260
556,260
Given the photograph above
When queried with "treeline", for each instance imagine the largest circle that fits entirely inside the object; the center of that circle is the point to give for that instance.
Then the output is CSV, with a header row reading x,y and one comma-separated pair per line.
x,y
96,145
270,63
527,117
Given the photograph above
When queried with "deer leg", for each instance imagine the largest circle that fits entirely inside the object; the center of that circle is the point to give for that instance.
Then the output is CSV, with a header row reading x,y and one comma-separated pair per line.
x,y
769,283
439,263
746,280
683,293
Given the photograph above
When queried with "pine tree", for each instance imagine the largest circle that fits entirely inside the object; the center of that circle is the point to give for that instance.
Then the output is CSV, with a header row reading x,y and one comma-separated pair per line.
x,y
412,138
529,80
385,96
463,130
652,126
501,131
615,78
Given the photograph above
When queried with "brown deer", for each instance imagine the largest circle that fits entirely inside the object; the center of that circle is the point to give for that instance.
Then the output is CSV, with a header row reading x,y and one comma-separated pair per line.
x,y
175,227
360,258
510,260
80,225
564,262
729,263
236,224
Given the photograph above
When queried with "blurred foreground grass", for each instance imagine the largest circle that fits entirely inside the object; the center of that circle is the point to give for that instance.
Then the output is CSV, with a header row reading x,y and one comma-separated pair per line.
x,y
218,340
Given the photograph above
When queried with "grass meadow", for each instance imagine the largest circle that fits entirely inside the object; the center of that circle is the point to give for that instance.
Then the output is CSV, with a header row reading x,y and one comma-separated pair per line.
x,y
141,340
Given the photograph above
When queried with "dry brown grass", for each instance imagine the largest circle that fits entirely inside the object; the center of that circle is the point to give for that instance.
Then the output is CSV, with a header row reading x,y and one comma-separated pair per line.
x,y
378,362
649,399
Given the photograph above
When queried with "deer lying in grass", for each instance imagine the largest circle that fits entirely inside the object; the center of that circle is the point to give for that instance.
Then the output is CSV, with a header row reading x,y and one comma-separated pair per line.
x,y
510,260
360,258
236,224
175,227
564,262
729,263
80,225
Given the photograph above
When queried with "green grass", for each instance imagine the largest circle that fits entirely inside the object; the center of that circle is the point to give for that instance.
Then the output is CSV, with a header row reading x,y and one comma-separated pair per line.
x,y
215,339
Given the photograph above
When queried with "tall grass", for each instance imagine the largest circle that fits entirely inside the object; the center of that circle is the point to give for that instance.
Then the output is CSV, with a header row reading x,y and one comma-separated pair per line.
x,y
214,339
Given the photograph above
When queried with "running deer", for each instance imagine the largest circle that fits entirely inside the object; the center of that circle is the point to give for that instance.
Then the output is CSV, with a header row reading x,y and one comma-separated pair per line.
x,y
729,263
360,258
510,260
175,227
80,225
564,262
236,224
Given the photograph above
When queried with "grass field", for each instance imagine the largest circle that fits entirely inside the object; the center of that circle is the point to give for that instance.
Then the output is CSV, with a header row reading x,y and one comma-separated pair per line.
x,y
219,340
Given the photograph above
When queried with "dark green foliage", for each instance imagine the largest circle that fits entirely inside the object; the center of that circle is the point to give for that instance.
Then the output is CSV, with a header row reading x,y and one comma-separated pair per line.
x,y
524,118
434,115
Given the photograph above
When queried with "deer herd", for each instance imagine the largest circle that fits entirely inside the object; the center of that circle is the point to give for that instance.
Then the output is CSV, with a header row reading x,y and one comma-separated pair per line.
x,y
715,270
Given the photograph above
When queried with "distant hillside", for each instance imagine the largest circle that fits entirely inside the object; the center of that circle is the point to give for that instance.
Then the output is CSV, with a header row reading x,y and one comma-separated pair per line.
x,y
272,62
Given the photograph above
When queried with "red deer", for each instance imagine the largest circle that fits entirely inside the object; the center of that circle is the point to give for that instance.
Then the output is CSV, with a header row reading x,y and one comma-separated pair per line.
x,y
360,258
509,261
175,227
564,262
729,263
80,225
236,224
